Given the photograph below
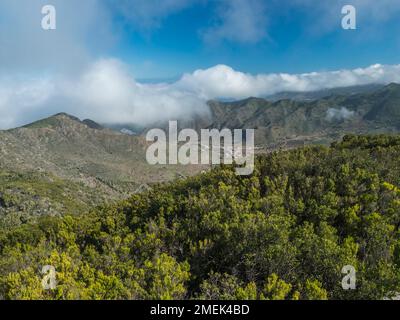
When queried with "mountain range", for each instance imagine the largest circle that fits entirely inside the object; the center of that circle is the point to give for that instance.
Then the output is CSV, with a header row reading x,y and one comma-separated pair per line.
x,y
317,121
62,164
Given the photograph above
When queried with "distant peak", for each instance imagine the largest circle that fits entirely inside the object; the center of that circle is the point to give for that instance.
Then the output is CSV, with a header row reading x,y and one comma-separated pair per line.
x,y
60,118
63,115
393,85
391,88
92,124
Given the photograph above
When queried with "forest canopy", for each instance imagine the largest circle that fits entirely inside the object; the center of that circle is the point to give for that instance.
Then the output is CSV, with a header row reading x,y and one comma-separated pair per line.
x,y
285,232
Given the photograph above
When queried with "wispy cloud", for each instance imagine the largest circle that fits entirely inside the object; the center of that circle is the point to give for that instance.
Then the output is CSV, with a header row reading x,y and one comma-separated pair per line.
x,y
341,114
243,21
84,28
104,91
42,73
107,92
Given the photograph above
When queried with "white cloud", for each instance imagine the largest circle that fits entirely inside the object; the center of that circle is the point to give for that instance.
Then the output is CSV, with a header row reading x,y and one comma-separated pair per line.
x,y
341,114
83,27
106,92
21,97
243,21
224,82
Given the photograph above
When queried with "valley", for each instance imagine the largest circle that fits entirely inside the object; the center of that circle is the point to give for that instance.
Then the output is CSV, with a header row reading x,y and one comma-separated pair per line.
x,y
62,164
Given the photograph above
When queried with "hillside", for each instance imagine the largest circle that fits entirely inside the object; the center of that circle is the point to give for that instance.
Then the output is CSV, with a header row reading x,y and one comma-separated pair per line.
x,y
49,165
61,164
285,232
294,122
319,94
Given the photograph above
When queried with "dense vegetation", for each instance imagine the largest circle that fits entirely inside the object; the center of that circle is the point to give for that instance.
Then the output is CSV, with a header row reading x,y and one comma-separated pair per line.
x,y
283,233
25,196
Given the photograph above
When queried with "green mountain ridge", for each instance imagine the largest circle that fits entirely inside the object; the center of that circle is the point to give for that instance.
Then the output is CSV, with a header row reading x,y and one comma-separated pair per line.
x,y
308,121
319,94
93,165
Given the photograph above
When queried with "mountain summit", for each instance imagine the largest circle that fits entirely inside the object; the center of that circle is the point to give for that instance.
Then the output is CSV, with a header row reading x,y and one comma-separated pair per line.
x,y
82,151
62,120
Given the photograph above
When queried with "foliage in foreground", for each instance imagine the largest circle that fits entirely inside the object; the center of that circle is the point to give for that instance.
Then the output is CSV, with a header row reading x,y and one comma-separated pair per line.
x,y
283,233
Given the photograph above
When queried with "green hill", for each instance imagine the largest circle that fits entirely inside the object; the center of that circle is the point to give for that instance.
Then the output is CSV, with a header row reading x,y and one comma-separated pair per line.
x,y
323,120
46,164
285,232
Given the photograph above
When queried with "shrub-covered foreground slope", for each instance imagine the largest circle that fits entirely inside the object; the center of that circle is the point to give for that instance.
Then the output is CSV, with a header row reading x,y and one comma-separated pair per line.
x,y
283,233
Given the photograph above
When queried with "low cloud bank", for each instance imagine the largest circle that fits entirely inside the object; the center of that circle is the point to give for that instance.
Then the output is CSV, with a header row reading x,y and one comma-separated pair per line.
x,y
106,92
224,82
339,114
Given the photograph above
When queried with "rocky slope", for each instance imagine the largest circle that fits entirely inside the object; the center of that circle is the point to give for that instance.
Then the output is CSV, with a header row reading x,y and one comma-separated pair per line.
x,y
317,121
61,164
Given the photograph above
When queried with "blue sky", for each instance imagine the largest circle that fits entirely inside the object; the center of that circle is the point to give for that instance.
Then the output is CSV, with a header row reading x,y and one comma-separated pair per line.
x,y
165,38
291,38
143,61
